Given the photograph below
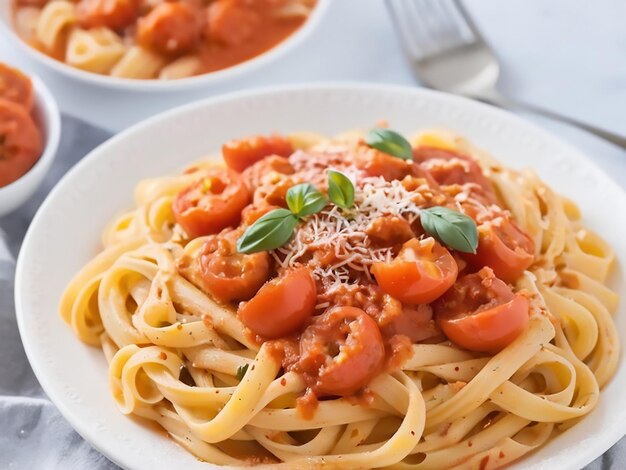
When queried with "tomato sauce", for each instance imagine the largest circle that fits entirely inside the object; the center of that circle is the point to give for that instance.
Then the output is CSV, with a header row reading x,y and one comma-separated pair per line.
x,y
21,140
267,35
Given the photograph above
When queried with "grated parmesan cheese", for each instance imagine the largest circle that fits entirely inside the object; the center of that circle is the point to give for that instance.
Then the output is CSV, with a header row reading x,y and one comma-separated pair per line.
x,y
344,233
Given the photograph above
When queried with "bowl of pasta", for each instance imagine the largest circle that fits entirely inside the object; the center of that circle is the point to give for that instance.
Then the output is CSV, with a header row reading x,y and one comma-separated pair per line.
x,y
158,45
30,130
413,280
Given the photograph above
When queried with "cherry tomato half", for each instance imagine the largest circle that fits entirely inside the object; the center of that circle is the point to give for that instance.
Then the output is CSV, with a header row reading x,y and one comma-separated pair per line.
x,y
230,23
342,350
242,153
504,247
169,28
422,271
16,87
21,142
114,14
481,312
282,305
449,167
212,203
229,275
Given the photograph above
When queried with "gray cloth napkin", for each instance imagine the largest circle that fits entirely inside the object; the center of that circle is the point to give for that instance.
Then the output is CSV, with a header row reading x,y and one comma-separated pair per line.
x,y
32,432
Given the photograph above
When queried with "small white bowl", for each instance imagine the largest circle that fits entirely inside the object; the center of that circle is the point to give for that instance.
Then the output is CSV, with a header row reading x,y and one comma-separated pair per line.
x,y
49,119
182,84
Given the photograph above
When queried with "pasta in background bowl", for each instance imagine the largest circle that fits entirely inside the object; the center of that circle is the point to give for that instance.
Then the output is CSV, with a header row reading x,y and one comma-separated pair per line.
x,y
85,194
158,45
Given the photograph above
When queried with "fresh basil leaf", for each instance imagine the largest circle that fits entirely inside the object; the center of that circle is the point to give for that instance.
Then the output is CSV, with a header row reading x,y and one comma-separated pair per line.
x,y
450,227
390,142
303,199
271,231
340,189
241,371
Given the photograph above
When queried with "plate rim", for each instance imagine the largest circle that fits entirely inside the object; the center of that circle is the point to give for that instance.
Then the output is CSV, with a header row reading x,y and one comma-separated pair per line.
x,y
615,433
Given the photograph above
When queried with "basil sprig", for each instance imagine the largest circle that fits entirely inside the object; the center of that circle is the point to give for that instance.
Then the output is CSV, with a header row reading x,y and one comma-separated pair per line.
x,y
390,142
275,228
450,227
241,371
340,189
304,199
269,232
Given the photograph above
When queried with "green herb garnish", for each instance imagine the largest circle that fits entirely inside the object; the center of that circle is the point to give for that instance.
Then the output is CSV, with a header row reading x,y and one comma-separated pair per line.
x,y
275,228
450,227
241,371
304,199
271,231
390,142
340,189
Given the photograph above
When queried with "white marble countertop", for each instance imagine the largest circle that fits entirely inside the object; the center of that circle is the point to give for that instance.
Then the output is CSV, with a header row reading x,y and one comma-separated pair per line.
x,y
568,55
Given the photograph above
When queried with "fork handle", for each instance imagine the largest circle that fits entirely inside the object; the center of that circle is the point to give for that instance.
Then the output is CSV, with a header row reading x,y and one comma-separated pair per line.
x,y
497,99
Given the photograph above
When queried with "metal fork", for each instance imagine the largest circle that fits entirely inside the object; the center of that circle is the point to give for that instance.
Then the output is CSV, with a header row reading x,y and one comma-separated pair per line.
x,y
448,53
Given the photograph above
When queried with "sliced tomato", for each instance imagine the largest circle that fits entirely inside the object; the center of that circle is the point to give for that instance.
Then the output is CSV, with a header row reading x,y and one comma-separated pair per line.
x,y
504,247
481,312
114,14
16,87
414,322
169,28
229,275
21,142
282,305
448,167
259,173
422,271
242,153
230,22
212,203
341,351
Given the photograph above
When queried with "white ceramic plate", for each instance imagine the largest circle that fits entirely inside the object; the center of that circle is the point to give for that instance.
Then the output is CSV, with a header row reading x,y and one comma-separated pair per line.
x,y
66,232
207,79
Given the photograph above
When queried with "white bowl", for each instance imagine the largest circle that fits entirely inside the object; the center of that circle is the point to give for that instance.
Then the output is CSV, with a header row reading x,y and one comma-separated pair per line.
x,y
66,231
48,117
207,79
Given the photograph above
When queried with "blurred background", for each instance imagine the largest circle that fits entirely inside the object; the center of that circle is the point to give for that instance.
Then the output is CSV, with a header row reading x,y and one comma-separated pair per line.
x,y
568,55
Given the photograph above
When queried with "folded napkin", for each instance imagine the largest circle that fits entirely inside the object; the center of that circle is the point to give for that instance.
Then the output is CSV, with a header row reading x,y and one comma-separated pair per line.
x,y
32,432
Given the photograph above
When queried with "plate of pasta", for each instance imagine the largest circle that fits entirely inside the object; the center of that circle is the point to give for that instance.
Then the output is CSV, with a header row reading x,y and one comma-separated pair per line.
x,y
153,44
331,276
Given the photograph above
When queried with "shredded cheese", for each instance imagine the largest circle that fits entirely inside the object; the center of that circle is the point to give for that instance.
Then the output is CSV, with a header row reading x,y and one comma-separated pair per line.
x,y
341,236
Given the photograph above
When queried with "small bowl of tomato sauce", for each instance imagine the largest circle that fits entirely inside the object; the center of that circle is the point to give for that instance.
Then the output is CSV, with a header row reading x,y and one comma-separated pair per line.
x,y
30,130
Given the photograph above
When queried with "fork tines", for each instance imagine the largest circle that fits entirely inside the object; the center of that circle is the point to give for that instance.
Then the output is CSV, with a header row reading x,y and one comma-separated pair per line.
x,y
432,27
